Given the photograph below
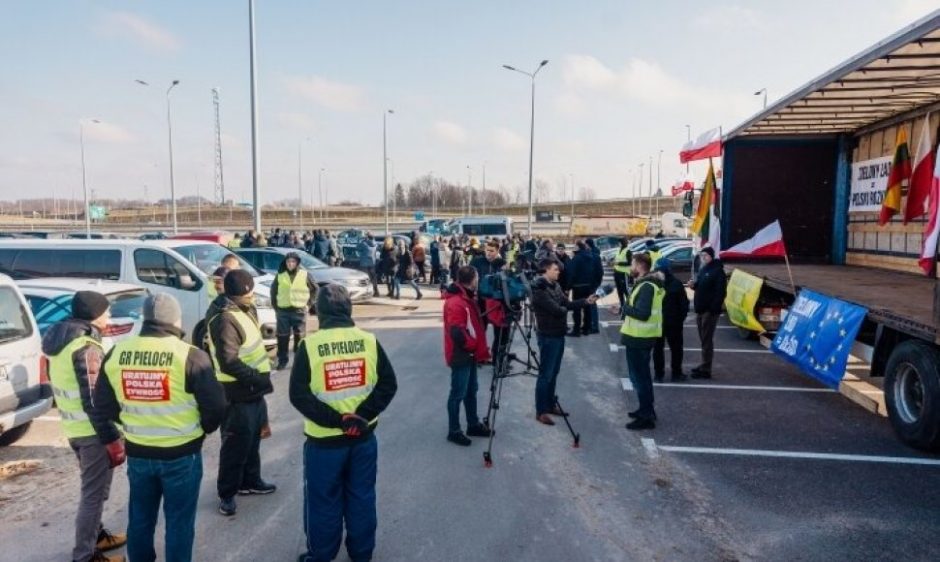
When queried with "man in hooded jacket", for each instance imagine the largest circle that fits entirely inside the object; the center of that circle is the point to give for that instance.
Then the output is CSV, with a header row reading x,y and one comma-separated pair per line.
x,y
292,294
675,309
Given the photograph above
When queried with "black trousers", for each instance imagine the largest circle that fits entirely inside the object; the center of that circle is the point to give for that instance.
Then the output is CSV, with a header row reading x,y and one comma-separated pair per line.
x,y
620,281
289,321
672,334
706,322
500,339
240,459
373,278
581,316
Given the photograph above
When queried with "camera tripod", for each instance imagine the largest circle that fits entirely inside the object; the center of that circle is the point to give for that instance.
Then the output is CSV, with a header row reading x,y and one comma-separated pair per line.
x,y
521,323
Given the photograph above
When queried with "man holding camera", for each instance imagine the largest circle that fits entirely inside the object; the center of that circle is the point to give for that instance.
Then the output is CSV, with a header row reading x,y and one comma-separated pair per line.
x,y
551,307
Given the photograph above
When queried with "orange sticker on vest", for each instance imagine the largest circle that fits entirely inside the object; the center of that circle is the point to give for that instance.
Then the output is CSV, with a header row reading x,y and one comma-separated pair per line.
x,y
148,386
346,373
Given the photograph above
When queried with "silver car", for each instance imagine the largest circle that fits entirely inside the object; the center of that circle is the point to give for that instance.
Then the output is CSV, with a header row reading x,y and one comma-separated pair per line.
x,y
269,260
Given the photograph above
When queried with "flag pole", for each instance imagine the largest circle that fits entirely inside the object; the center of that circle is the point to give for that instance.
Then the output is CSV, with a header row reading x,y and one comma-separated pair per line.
x,y
789,272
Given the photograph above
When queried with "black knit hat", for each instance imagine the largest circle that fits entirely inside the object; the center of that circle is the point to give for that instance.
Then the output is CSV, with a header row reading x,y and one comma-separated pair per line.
x,y
88,305
238,283
709,250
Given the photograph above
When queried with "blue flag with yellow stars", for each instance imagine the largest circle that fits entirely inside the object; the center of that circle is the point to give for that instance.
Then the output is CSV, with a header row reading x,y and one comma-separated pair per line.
x,y
817,335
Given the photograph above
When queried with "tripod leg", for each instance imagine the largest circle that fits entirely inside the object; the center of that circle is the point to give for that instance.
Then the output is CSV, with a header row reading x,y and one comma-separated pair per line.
x,y
565,416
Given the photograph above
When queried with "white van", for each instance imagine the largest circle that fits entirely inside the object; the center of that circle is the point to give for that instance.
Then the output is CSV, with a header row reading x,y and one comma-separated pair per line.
x,y
480,227
25,393
674,224
177,267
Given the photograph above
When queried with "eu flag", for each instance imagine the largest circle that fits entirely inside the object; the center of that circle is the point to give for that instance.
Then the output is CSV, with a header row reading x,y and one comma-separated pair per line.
x,y
818,334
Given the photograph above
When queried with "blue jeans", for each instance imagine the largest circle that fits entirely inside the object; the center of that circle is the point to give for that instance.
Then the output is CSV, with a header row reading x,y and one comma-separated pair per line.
x,y
339,486
638,365
551,350
463,388
411,283
176,482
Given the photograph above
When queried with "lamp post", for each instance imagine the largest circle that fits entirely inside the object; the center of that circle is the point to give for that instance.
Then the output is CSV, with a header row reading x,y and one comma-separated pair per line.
x,y
469,190
639,190
81,142
762,91
483,188
253,75
531,75
571,177
385,115
169,129
300,183
320,190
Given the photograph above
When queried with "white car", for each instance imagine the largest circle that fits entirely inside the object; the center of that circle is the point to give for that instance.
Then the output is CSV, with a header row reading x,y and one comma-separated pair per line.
x,y
25,392
50,300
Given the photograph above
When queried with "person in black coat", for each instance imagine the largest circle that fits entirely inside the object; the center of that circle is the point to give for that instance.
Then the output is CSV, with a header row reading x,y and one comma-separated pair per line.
x,y
581,280
597,278
388,260
710,287
675,309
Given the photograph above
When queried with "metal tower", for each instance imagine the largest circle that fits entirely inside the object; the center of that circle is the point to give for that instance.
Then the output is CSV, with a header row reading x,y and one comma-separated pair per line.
x,y
219,177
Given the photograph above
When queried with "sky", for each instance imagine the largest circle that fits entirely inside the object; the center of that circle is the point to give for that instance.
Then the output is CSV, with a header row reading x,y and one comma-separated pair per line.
x,y
623,81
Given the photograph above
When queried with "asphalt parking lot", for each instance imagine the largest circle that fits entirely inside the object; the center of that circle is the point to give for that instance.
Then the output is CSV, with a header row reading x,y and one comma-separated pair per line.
x,y
796,469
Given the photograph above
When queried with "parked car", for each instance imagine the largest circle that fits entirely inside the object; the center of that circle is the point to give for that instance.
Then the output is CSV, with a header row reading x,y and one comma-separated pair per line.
x,y
680,256
269,260
50,300
177,267
25,392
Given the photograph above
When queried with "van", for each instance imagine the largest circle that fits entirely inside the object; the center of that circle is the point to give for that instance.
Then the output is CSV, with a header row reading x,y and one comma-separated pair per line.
x,y
177,267
480,227
674,224
25,393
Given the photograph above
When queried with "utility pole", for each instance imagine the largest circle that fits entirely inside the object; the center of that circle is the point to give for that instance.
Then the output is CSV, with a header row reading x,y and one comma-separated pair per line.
x,y
169,128
571,176
385,115
483,196
219,178
469,190
255,186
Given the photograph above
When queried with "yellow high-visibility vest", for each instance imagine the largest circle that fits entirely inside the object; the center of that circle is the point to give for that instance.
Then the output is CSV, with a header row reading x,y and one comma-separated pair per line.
x,y
292,293
251,352
68,397
343,372
622,257
651,327
148,375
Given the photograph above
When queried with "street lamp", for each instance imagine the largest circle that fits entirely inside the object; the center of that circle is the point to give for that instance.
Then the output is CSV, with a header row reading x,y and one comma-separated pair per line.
x,y
531,75
483,188
300,184
469,190
81,142
571,177
169,127
762,91
385,115
320,190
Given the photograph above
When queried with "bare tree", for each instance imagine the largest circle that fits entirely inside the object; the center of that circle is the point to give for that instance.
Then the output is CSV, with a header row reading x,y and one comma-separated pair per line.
x,y
561,188
517,194
587,194
540,190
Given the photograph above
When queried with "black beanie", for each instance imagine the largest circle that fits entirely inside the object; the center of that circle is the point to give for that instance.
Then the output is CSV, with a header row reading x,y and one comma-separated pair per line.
x,y
238,283
709,250
88,305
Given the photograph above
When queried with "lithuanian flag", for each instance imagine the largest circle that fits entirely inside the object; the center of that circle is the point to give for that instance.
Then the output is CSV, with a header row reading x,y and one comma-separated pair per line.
x,y
701,224
899,176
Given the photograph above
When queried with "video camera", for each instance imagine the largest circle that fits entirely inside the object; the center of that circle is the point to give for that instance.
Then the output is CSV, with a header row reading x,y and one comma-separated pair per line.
x,y
505,287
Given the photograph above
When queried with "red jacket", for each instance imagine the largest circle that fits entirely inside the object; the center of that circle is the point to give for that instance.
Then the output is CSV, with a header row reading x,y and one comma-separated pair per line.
x,y
464,335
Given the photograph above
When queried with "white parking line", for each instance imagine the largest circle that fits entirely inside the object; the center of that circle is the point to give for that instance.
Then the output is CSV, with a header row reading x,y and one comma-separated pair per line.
x,y
650,446
793,455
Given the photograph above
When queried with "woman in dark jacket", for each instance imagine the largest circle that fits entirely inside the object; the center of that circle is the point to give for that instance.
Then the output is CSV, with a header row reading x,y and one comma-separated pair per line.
x,y
388,259
406,271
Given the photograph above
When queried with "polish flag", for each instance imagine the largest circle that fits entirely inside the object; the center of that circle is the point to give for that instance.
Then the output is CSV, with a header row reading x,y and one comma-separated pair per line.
x,y
928,255
922,176
683,185
707,145
768,242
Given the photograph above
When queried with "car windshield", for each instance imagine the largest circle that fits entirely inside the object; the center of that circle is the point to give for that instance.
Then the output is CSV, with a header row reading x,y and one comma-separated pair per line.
x,y
129,304
14,319
309,262
208,257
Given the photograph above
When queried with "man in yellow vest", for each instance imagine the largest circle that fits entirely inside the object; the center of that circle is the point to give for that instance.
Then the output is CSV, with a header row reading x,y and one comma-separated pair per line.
x,y
75,354
163,394
622,269
341,381
235,242
292,293
242,365
642,326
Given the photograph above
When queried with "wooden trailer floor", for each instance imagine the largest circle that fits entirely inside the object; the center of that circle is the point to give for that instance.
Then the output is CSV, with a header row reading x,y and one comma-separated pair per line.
x,y
889,294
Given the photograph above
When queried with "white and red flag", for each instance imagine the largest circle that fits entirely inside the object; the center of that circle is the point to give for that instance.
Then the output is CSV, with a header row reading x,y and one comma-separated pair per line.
x,y
928,255
707,145
921,177
768,242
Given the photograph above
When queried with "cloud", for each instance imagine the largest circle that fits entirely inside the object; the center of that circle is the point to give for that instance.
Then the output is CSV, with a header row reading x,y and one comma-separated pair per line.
x,y
727,18
297,121
648,83
508,140
107,132
144,32
449,132
328,93
569,103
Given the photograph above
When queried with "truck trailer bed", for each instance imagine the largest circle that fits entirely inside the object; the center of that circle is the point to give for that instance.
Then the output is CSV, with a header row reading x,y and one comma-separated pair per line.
x,y
900,300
